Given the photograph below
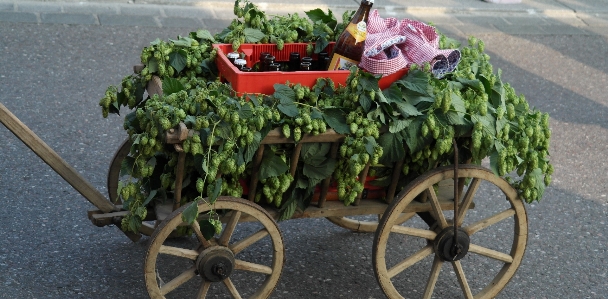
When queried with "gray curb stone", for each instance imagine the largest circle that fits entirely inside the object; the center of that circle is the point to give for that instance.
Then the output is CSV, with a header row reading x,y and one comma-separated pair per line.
x,y
68,18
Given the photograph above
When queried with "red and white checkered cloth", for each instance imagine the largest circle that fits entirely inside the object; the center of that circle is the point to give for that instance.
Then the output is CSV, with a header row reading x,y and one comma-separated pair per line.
x,y
391,45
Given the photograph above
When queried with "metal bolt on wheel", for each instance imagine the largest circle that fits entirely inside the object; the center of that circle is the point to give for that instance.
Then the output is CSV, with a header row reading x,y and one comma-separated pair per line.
x,y
498,253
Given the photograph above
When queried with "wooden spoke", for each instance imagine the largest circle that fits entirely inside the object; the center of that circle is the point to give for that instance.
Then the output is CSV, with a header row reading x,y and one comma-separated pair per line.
x,y
468,199
202,291
462,280
415,232
179,252
177,281
244,243
413,259
481,224
231,288
229,229
251,267
199,235
437,208
503,257
430,284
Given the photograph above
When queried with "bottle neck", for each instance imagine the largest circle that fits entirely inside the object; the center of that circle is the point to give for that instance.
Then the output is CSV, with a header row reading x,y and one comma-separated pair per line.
x,y
363,12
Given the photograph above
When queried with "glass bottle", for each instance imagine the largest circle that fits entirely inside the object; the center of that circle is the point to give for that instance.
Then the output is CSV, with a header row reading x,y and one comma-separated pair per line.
x,y
350,44
294,61
240,63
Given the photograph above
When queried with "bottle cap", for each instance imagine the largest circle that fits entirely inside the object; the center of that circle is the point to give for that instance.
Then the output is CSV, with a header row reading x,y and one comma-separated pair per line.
x,y
239,63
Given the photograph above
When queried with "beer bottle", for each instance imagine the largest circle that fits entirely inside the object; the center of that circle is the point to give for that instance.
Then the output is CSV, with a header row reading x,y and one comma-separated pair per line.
x,y
350,44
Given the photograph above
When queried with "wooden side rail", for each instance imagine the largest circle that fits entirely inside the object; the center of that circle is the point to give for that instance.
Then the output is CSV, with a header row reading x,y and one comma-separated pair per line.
x,y
50,157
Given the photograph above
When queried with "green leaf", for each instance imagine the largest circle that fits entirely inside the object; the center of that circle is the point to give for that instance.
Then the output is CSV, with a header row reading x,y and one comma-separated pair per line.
x,y
336,119
319,168
370,144
413,137
314,149
223,130
149,198
497,96
253,35
190,120
288,209
217,189
416,81
319,15
458,103
369,82
320,44
205,35
272,165
393,148
190,213
375,114
540,185
406,109
172,85
475,84
126,166
365,101
178,60
246,112
494,162
152,65
253,147
392,94
207,229
287,98
399,124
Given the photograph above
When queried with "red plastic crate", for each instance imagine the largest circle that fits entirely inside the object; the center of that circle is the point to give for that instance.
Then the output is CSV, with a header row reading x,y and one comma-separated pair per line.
x,y
263,82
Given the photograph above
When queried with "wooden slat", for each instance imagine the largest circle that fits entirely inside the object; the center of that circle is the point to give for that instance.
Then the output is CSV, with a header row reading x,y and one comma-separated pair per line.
x,y
276,136
177,281
415,232
50,157
481,224
503,257
411,260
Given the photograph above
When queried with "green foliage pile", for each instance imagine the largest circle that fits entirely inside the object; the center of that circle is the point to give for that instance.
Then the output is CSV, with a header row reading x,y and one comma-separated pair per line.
x,y
415,120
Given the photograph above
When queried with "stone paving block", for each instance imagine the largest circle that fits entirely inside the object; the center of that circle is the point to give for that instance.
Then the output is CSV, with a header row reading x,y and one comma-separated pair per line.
x,y
438,19
38,7
91,8
566,29
140,10
7,6
594,19
481,21
18,17
576,22
223,13
526,20
181,22
189,12
521,29
473,29
68,18
127,20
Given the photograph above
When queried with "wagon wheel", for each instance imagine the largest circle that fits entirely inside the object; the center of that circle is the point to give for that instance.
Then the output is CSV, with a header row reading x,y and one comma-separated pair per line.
x,y
489,255
114,172
194,267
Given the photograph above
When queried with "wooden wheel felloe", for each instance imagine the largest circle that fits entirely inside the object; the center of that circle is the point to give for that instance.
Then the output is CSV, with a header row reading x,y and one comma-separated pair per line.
x,y
493,236
114,172
247,259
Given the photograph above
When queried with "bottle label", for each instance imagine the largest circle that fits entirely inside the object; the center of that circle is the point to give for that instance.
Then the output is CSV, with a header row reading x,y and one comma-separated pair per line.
x,y
358,31
341,63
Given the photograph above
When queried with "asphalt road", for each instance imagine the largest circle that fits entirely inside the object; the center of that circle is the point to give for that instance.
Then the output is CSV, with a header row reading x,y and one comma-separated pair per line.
x,y
52,76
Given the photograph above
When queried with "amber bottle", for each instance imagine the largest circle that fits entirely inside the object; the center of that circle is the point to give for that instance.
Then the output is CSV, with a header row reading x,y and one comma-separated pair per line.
x,y
350,44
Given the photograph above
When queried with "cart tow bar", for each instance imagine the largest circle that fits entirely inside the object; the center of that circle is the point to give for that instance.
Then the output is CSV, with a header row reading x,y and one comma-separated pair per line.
x,y
51,158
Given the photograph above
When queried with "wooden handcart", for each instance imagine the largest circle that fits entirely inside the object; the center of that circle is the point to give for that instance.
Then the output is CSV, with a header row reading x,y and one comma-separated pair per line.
x,y
249,254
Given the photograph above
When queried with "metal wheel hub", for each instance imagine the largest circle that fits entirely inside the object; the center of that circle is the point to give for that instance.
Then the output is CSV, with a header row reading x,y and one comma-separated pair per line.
x,y
215,263
449,249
